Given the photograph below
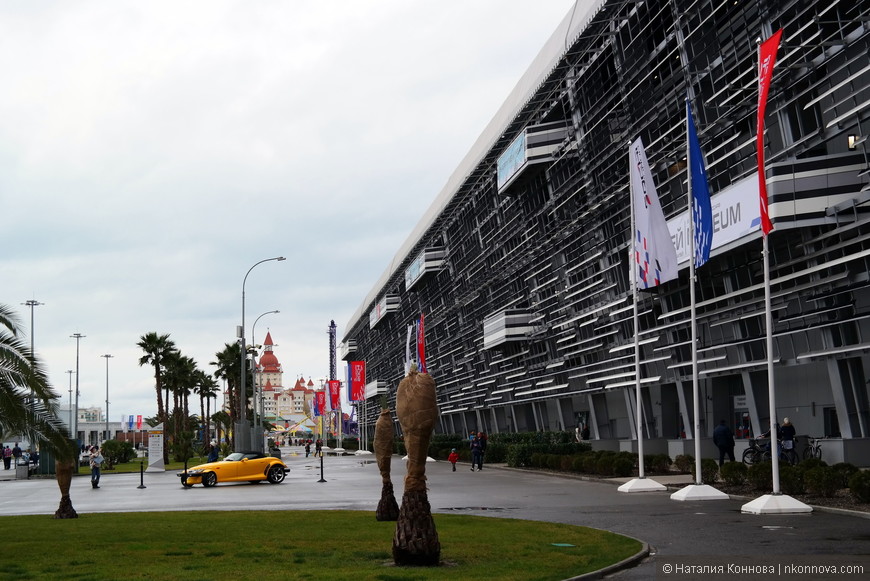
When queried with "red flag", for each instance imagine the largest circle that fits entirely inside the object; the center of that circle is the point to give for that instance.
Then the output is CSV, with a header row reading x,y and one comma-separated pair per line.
x,y
334,394
421,347
766,60
357,380
138,422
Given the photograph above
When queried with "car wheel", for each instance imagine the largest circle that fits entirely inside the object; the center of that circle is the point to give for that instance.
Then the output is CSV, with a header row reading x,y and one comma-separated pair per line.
x,y
185,484
209,479
276,475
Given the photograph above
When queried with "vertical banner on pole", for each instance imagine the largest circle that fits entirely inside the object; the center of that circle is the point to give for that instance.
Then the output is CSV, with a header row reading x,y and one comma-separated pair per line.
x,y
357,380
766,60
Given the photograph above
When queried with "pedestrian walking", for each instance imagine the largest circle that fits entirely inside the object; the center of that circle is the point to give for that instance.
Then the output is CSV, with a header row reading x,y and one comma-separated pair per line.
x,y
16,454
476,452
453,458
96,461
7,457
724,440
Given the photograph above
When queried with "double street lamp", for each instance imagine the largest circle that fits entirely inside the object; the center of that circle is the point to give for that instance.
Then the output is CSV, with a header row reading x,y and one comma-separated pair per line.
x,y
107,356
257,428
241,431
75,433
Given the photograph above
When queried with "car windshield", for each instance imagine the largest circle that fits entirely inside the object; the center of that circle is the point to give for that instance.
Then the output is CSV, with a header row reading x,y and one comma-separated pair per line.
x,y
236,456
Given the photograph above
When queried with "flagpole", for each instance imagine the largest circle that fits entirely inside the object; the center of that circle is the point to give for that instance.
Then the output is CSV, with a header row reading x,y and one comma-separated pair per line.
x,y
699,490
775,503
641,483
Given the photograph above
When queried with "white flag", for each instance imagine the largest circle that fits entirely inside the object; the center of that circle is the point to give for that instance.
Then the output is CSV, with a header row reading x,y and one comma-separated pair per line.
x,y
655,257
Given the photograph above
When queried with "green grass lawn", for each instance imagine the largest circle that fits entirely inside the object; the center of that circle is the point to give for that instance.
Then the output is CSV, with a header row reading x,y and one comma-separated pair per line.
x,y
289,545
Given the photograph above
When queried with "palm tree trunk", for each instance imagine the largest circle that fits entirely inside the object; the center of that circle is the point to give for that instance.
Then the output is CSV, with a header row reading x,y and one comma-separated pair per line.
x,y
64,480
416,540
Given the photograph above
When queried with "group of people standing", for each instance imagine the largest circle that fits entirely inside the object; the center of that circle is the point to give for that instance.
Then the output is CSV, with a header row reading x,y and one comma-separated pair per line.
x,y
477,444
18,456
724,439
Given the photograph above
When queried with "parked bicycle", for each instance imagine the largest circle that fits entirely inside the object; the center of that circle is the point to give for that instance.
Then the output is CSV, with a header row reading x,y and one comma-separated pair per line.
x,y
760,452
756,452
813,449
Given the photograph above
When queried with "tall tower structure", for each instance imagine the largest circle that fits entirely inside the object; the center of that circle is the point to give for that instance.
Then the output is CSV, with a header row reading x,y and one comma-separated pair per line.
x,y
331,350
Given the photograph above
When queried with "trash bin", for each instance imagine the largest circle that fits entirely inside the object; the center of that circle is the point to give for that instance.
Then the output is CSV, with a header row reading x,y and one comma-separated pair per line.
x,y
22,472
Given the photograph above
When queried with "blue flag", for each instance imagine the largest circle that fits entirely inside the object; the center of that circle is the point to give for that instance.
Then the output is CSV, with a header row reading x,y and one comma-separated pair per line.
x,y
702,212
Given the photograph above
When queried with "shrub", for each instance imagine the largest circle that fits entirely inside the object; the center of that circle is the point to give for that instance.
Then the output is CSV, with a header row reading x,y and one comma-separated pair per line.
x,y
577,462
658,463
604,465
811,463
709,470
684,463
116,452
760,476
791,480
554,461
536,460
845,471
622,466
590,462
859,486
822,481
495,452
565,463
733,473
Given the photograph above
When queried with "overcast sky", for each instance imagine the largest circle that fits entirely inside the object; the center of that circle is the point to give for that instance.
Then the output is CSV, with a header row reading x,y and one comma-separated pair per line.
x,y
152,152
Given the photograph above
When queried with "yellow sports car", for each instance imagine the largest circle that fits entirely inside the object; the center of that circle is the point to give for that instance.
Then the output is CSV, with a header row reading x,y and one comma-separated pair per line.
x,y
237,467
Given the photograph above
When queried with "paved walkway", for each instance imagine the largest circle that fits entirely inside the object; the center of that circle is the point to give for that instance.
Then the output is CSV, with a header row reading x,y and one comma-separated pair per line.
x,y
712,530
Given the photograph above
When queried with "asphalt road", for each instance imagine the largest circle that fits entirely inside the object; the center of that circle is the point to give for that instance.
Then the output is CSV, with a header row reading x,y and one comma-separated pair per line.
x,y
712,532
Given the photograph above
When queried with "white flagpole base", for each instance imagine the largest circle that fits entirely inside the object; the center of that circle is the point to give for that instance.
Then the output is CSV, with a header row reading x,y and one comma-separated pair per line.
x,y
775,504
362,453
428,458
699,492
642,485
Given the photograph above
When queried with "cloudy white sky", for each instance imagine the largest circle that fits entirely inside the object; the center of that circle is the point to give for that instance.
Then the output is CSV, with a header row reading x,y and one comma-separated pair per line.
x,y
152,152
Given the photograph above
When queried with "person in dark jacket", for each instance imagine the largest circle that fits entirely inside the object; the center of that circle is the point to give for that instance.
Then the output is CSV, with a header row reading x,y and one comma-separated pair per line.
x,y
476,453
724,440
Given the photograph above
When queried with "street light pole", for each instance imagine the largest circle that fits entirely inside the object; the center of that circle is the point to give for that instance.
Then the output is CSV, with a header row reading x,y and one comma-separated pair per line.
x,y
31,303
77,337
257,388
240,429
107,356
70,371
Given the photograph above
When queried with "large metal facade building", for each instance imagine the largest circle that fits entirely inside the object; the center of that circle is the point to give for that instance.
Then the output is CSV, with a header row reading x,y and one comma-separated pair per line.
x,y
521,263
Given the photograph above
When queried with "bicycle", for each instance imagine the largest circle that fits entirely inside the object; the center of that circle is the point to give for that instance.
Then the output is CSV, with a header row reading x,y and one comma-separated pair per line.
x,y
756,453
813,449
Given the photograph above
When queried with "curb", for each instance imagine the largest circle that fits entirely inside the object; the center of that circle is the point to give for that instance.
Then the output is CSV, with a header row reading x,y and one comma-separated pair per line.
x,y
628,563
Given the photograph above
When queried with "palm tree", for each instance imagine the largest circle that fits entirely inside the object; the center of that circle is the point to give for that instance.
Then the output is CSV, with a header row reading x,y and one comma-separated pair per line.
x,y
228,367
157,348
28,406
206,388
179,378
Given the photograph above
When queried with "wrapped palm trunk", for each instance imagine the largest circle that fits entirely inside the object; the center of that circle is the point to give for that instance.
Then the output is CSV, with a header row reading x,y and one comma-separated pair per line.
x,y
416,540
388,508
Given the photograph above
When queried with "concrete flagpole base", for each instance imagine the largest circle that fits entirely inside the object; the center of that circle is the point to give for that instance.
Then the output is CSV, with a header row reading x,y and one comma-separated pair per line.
x,y
642,485
699,492
362,453
775,504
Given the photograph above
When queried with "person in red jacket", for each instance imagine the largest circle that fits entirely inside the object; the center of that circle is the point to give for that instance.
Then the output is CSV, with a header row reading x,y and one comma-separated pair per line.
x,y
453,458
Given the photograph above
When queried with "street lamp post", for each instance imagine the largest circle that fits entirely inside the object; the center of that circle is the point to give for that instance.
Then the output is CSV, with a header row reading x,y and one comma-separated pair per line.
x,y
241,432
70,371
31,303
107,356
77,337
258,442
